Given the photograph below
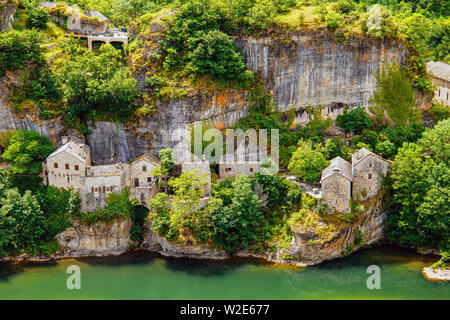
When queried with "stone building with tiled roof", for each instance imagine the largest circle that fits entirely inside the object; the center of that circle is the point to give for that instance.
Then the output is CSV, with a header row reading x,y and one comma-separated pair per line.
x,y
440,75
342,181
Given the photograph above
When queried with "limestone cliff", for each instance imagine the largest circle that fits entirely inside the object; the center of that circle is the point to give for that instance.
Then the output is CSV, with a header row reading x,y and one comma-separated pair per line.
x,y
301,68
99,239
310,248
156,243
7,11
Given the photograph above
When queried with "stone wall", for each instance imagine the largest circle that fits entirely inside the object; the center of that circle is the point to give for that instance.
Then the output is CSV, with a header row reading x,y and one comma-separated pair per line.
x,y
337,191
368,175
7,11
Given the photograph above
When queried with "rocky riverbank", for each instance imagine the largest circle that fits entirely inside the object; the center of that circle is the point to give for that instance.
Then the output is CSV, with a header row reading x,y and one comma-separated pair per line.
x,y
436,274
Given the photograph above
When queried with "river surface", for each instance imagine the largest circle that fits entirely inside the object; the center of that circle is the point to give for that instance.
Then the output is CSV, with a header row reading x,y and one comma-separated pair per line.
x,y
143,275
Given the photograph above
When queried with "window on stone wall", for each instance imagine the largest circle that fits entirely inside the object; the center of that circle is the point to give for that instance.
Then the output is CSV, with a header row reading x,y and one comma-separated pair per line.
x,y
104,189
251,169
370,176
144,168
77,167
149,179
92,189
136,182
439,93
67,166
55,165
370,164
227,169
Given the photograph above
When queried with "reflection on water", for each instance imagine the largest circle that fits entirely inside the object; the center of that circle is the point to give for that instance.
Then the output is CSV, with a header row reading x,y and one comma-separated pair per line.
x,y
143,275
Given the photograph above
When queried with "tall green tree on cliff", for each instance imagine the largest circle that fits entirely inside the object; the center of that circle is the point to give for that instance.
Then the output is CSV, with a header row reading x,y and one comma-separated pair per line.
x,y
25,152
394,95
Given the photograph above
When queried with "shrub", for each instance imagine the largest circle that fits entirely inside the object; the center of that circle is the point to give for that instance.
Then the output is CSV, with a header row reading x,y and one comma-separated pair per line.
x,y
26,151
307,162
354,121
18,47
333,20
38,18
394,94
378,22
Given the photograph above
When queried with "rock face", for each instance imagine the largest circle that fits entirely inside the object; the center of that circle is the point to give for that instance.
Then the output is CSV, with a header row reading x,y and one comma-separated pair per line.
x,y
303,68
99,239
309,68
436,274
342,242
7,11
10,120
156,243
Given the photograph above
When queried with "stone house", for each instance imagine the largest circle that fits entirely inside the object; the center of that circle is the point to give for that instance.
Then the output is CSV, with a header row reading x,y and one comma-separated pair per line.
x,y
361,180
70,167
440,75
91,25
202,166
69,162
368,170
336,182
231,165
142,182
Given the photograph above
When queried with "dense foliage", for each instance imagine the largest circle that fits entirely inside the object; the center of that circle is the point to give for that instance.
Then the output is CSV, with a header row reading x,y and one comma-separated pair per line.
x,y
421,179
308,161
25,152
96,85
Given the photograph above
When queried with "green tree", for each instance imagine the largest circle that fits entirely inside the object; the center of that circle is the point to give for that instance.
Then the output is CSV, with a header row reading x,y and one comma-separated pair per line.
x,y
38,18
188,193
160,207
238,223
394,94
18,47
436,141
26,151
215,53
96,85
307,161
354,121
24,218
378,22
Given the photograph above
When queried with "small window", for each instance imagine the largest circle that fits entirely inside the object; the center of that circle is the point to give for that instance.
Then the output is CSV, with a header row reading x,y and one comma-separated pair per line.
x,y
370,176
439,93
149,179
92,189
67,166
77,167
227,169
370,164
144,168
55,165
251,169
104,189
136,182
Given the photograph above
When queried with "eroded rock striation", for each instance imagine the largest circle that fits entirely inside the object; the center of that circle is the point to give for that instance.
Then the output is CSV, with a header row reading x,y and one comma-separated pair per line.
x,y
97,239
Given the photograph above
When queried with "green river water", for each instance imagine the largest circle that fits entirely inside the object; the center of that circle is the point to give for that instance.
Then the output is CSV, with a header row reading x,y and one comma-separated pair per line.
x,y
142,275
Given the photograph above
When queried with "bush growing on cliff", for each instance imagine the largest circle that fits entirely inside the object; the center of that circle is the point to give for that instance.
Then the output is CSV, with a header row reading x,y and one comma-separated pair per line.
x,y
378,22
118,206
18,47
97,85
38,18
394,95
25,152
354,121
308,161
